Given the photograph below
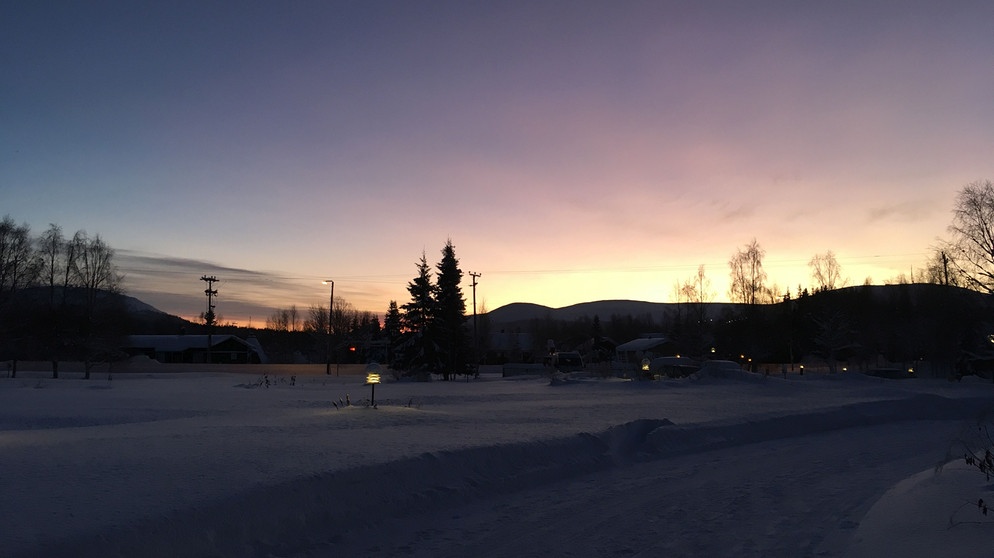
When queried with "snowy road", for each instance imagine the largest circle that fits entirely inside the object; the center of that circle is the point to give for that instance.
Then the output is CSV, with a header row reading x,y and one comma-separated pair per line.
x,y
800,496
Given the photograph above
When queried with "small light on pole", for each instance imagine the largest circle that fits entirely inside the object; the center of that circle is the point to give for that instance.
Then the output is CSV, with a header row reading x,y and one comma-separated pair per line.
x,y
371,380
331,306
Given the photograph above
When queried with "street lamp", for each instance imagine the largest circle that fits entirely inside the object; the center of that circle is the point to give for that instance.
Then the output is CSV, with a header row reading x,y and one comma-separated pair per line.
x,y
331,306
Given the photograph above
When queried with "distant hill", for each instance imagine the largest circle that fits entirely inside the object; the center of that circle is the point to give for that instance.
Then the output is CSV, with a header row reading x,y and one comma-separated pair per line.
x,y
519,312
148,320
523,311
142,318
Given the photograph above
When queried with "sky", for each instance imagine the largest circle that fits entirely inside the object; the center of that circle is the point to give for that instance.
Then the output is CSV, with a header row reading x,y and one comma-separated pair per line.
x,y
571,151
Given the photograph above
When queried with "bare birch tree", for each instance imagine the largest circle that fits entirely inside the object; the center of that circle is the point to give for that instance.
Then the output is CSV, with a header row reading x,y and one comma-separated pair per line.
x,y
826,272
18,265
972,244
748,278
95,273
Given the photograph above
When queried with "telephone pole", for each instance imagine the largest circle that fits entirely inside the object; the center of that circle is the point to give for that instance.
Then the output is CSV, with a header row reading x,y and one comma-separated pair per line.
x,y
211,292
331,317
476,340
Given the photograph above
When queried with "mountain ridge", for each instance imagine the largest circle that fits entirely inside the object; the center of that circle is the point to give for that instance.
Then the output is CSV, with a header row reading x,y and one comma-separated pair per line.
x,y
517,312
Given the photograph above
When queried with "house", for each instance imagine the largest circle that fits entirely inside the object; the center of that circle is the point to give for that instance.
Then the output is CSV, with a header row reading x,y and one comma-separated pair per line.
x,y
194,349
645,348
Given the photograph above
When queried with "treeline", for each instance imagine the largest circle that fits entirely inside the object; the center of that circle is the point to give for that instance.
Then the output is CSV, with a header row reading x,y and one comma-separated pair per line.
x,y
354,336
56,298
862,327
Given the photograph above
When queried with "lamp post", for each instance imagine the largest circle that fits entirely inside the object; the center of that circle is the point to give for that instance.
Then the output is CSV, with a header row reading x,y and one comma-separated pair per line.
x,y
331,313
372,379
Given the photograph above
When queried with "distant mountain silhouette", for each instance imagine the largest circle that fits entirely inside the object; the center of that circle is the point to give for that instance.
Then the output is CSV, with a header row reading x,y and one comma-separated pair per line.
x,y
524,311
518,312
146,319
142,318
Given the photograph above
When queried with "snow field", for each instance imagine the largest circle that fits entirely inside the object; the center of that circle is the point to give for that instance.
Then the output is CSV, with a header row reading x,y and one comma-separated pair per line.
x,y
209,465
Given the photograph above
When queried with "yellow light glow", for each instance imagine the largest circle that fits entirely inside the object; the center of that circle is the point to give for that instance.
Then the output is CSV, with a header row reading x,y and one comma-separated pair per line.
x,y
372,378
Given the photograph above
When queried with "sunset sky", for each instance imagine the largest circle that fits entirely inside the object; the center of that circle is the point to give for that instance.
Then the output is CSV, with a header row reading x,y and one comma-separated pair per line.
x,y
571,150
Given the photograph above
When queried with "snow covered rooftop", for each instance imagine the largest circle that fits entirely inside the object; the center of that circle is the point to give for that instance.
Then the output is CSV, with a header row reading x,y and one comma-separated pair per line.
x,y
642,344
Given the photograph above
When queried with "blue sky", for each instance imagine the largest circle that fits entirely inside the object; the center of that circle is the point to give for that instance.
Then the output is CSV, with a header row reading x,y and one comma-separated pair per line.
x,y
572,151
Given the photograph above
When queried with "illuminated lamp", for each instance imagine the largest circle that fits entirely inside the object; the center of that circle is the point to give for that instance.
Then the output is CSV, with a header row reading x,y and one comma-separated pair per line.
x,y
371,380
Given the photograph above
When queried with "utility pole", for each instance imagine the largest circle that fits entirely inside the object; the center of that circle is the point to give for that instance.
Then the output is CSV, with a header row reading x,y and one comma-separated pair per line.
x,y
211,292
476,340
331,316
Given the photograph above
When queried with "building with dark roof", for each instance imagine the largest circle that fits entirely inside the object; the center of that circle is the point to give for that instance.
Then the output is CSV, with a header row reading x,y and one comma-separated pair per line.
x,y
194,349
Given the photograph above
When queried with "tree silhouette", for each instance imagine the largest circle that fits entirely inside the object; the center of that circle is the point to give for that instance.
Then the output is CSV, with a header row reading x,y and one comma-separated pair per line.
x,y
450,314
748,278
972,243
419,348
826,271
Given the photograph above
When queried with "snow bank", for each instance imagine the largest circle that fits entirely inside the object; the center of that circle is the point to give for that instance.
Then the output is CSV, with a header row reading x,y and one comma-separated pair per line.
x,y
954,528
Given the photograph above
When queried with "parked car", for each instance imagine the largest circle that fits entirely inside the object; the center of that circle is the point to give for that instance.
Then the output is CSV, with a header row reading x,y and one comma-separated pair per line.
x,y
673,367
567,361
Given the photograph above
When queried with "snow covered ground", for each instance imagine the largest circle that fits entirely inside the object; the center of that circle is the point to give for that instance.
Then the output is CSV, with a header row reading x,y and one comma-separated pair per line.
x,y
201,464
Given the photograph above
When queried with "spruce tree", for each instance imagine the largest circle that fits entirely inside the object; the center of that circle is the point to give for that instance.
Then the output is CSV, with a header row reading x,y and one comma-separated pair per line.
x,y
450,315
392,327
419,345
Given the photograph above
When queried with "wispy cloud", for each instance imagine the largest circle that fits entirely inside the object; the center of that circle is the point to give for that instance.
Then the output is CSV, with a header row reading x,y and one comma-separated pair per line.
x,y
911,210
174,285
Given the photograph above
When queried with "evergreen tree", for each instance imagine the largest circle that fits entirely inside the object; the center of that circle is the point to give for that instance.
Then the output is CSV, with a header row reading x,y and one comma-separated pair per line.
x,y
392,327
419,345
392,324
450,315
